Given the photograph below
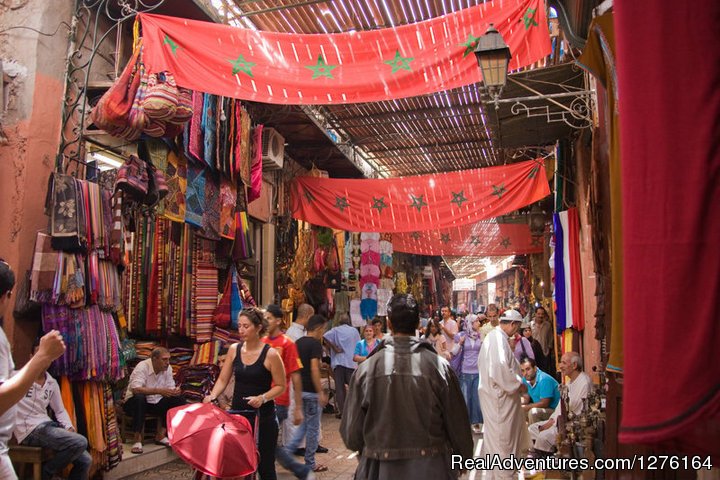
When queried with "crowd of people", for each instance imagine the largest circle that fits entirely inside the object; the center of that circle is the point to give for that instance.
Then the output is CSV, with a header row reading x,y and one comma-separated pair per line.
x,y
499,365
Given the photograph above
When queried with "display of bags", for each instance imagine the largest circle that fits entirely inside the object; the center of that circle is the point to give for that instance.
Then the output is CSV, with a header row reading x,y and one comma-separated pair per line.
x,y
161,100
132,178
111,112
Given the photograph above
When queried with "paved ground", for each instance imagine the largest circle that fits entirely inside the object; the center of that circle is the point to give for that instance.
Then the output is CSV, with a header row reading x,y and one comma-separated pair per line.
x,y
340,461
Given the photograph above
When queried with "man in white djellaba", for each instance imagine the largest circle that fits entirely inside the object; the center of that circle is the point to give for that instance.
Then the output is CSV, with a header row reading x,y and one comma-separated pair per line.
x,y
500,388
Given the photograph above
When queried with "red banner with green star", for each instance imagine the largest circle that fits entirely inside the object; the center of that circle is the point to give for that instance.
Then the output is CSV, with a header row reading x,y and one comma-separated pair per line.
x,y
423,202
482,239
353,67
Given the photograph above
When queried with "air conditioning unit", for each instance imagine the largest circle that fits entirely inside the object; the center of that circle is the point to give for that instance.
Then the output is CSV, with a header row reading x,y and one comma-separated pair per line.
x,y
273,149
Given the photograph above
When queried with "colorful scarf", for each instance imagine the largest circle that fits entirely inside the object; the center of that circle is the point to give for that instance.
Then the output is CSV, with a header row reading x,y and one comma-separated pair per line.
x,y
65,205
211,214
42,276
253,191
195,195
209,127
228,201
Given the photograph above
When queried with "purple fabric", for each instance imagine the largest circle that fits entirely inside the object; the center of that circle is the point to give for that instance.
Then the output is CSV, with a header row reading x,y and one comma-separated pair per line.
x,y
470,352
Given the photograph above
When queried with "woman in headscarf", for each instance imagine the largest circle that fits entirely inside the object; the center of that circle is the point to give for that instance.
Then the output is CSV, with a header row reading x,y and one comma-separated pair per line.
x,y
467,344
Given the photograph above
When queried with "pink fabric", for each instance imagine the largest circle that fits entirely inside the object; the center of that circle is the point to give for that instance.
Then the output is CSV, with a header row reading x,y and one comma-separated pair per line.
x,y
195,145
253,192
370,257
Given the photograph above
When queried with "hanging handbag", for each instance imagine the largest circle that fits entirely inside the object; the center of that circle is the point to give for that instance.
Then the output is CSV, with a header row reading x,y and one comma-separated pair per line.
x,y
25,308
161,101
111,111
132,178
456,361
157,186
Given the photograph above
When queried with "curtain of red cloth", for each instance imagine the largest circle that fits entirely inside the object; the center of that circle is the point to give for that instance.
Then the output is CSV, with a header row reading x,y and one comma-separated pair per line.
x,y
368,66
417,203
669,78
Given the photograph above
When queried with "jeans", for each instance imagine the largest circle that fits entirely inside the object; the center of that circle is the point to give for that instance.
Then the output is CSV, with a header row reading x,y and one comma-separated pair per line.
x,y
138,407
69,447
469,386
310,430
267,436
342,376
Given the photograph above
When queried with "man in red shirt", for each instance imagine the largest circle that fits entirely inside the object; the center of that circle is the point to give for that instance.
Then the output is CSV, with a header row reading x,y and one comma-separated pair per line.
x,y
289,355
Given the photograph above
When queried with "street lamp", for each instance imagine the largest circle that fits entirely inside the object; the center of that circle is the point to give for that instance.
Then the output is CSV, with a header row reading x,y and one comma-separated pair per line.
x,y
493,56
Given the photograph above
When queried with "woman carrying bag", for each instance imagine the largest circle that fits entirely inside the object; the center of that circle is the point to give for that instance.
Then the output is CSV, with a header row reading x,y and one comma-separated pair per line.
x,y
465,357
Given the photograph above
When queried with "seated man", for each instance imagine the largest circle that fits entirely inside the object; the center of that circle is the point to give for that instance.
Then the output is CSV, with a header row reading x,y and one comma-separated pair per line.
x,y
543,392
34,428
151,390
545,433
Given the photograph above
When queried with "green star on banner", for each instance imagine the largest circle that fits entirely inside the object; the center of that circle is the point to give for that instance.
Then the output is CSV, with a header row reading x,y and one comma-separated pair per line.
x,y
445,238
529,18
499,190
416,235
321,69
169,41
341,203
505,242
459,198
379,204
399,62
534,172
418,202
470,44
242,65
309,196
475,240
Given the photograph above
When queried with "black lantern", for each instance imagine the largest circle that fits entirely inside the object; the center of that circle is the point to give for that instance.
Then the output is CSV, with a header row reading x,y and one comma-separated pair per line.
x,y
493,56
536,221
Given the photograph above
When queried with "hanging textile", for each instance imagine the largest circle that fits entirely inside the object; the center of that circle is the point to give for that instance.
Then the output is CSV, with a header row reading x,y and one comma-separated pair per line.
x,y
423,202
213,206
228,202
253,191
92,343
598,58
558,265
176,175
389,63
66,203
482,239
568,272
671,229
195,195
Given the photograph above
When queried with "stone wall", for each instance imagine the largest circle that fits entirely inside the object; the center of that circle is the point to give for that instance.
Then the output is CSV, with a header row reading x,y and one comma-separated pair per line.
x,y
34,67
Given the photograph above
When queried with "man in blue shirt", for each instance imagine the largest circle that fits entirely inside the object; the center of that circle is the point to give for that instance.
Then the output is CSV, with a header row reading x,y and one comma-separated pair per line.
x,y
342,340
543,392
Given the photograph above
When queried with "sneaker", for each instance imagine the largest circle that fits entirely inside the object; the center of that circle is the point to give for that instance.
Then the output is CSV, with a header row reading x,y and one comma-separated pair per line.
x,y
311,476
321,449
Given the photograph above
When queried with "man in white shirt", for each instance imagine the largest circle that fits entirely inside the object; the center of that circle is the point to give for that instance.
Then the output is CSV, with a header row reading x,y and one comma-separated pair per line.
x,y
34,428
297,329
151,390
449,327
580,384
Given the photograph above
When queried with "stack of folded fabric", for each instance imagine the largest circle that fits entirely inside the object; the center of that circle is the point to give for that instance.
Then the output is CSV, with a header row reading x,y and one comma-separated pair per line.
x,y
180,357
144,349
197,381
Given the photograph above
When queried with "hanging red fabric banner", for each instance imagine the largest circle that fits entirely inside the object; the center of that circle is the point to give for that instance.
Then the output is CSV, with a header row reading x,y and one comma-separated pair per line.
x,y
423,202
482,239
353,67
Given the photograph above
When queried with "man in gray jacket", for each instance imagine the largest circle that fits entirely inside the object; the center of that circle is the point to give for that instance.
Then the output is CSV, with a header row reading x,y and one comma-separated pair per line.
x,y
405,412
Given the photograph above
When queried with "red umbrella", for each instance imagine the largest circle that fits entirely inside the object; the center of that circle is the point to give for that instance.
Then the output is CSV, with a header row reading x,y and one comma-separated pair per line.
x,y
213,441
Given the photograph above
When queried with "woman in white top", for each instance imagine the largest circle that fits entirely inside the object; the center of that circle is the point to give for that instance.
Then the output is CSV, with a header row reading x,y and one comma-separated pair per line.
x,y
437,339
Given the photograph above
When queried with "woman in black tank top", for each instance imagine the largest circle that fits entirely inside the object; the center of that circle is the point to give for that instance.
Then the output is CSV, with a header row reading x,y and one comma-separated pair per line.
x,y
259,378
